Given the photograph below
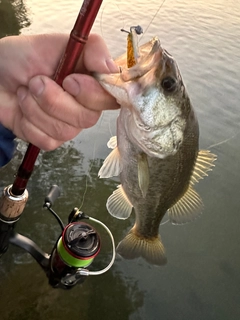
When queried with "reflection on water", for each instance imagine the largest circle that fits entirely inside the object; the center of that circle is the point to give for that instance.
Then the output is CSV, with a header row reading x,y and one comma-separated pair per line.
x,y
114,297
13,17
98,295
202,278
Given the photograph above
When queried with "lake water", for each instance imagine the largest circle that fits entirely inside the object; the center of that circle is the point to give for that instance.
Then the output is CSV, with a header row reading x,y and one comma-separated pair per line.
x,y
202,278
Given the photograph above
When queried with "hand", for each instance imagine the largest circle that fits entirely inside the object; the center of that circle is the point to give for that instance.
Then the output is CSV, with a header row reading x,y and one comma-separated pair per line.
x,y
33,106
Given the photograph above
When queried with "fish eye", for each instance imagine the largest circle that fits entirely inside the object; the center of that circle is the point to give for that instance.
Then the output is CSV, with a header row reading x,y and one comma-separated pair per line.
x,y
169,84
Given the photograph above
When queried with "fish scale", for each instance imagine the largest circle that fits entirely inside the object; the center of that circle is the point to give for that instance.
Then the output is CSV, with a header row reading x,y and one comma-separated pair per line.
x,y
156,152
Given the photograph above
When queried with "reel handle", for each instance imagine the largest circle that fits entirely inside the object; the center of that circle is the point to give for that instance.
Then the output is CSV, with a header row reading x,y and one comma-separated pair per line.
x,y
53,194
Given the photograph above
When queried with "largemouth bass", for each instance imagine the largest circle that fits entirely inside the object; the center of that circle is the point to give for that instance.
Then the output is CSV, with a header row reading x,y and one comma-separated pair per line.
x,y
156,152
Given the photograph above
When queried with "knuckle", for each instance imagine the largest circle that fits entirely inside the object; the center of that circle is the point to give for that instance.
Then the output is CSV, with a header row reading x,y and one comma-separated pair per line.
x,y
50,144
52,99
63,131
88,118
57,130
52,102
28,107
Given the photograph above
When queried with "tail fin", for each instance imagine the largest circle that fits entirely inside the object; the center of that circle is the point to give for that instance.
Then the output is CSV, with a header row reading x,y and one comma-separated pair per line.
x,y
152,250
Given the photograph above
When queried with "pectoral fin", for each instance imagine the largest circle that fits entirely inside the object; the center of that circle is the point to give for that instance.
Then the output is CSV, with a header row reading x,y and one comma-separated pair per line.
x,y
203,164
118,204
143,173
187,209
112,143
111,165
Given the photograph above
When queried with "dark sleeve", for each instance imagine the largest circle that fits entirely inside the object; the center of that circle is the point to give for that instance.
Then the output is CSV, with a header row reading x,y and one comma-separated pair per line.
x,y
7,145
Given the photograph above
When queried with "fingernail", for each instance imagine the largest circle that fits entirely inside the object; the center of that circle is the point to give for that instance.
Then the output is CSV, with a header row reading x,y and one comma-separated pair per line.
x,y
72,86
112,65
22,93
36,86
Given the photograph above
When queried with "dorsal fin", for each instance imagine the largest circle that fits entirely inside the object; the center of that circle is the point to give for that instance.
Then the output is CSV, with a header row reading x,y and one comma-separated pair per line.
x,y
187,209
190,205
203,164
118,204
111,166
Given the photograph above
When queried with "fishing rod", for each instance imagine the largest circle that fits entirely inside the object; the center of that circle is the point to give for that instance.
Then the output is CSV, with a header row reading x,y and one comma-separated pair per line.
x,y
79,243
78,38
